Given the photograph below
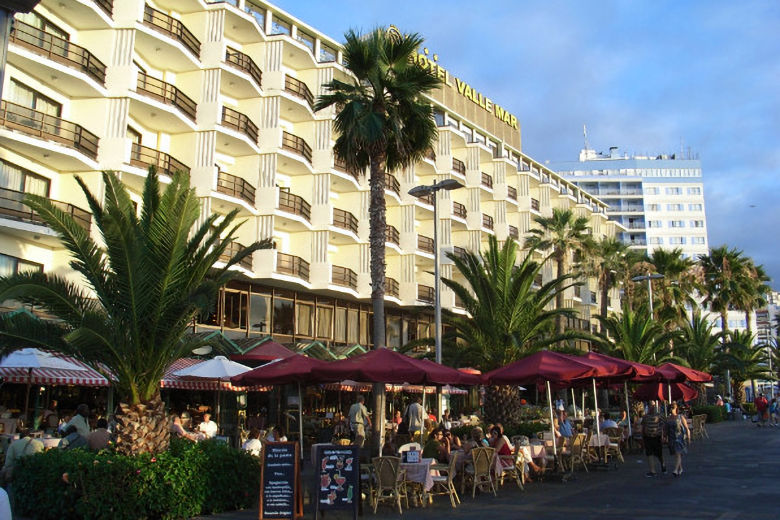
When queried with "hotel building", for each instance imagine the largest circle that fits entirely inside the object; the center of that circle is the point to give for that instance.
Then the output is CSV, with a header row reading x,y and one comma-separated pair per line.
x,y
225,91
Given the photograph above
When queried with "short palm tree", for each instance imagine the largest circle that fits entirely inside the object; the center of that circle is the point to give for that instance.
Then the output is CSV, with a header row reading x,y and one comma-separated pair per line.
x,y
635,336
745,360
605,259
754,290
698,347
146,278
676,288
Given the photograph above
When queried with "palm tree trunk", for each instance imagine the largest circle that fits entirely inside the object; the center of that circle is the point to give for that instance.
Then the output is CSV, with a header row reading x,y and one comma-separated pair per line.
x,y
748,314
604,300
377,223
143,427
561,268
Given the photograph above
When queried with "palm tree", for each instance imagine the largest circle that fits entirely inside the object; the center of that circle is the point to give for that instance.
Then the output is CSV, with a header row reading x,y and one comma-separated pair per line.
x,y
146,279
745,361
754,290
508,316
563,233
676,287
698,347
605,259
722,272
634,335
383,123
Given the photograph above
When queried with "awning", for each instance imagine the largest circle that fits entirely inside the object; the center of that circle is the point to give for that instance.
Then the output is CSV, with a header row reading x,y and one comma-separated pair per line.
x,y
353,386
170,380
87,376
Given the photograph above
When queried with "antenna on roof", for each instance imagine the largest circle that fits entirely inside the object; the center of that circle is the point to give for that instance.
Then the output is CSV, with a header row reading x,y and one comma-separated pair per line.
x,y
585,135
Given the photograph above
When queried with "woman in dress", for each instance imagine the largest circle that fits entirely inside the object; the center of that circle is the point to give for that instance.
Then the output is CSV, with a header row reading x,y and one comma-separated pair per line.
x,y
678,435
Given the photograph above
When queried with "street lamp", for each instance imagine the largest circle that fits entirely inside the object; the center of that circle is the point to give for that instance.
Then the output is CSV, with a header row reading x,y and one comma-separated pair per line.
x,y
422,191
649,277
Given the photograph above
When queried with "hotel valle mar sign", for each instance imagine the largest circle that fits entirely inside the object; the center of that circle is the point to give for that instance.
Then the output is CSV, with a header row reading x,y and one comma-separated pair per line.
x,y
463,88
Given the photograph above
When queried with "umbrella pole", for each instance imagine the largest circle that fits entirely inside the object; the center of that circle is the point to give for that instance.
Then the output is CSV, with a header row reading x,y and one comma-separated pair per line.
x,y
300,420
582,392
573,403
628,409
669,386
27,397
596,407
552,421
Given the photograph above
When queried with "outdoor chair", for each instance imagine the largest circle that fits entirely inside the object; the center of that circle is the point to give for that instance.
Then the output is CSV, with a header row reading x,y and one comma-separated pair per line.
x,y
444,483
367,481
613,449
516,470
578,449
480,471
389,487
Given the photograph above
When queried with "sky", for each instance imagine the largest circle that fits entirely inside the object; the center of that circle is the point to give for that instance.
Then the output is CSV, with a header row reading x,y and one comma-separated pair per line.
x,y
649,76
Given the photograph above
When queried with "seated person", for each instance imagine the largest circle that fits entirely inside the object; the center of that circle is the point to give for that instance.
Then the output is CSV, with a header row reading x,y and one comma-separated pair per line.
x,y
564,426
177,429
253,444
477,440
98,438
276,435
208,427
454,440
608,422
500,443
524,445
623,421
72,439
23,446
389,448
340,427
437,447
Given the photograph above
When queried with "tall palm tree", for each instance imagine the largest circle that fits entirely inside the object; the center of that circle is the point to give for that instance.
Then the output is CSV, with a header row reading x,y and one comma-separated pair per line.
x,y
605,259
146,278
676,288
562,234
754,290
698,347
634,335
723,281
745,361
383,123
508,316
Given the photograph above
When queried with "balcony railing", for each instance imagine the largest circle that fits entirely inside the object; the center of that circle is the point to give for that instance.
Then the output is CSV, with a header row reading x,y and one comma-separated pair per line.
x,y
166,93
106,5
294,204
425,294
514,232
299,89
240,123
58,49
459,210
459,303
39,124
392,235
392,184
341,165
244,63
12,206
428,199
344,276
487,180
458,252
459,166
236,187
534,204
345,220
144,157
425,243
511,193
171,27
292,265
392,287
297,145
232,250
487,221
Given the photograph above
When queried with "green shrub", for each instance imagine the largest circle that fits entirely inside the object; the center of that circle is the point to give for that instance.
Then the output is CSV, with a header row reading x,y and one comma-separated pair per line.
x,y
748,408
529,429
187,480
714,413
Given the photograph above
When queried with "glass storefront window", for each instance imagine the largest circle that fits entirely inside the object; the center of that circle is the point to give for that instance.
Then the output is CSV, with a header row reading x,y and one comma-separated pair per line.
x,y
236,308
259,313
340,331
324,322
394,332
352,326
284,316
304,319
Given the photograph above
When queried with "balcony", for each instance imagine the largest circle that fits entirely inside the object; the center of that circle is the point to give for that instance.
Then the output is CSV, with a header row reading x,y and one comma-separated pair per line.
x,y
534,204
167,94
458,166
425,294
391,287
106,5
392,184
144,157
51,128
344,277
298,89
244,63
232,250
487,181
487,222
425,244
392,235
427,199
296,145
511,193
341,166
430,155
172,28
292,265
514,232
459,210
345,220
236,187
240,123
58,49
294,204
458,252
459,303
12,206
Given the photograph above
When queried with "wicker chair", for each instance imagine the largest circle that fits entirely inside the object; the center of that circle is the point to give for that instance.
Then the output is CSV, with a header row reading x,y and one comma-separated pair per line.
x,y
613,449
578,451
444,484
389,488
480,471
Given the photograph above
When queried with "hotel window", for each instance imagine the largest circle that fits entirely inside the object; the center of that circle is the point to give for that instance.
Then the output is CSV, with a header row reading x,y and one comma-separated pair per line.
x,y
42,23
304,319
394,332
340,328
235,310
279,26
438,116
27,97
654,223
697,240
353,326
16,178
695,207
675,207
306,39
655,241
694,191
327,53
697,223
10,265
677,241
653,207
674,191
324,321
676,223
256,12
284,316
259,313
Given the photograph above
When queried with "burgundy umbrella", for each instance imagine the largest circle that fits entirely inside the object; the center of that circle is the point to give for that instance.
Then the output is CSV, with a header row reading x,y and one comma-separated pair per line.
x,y
622,366
294,369
453,375
267,351
678,374
540,368
657,391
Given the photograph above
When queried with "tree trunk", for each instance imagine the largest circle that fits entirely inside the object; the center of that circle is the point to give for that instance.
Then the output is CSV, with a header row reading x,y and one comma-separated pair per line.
x,y
604,301
502,405
560,326
142,428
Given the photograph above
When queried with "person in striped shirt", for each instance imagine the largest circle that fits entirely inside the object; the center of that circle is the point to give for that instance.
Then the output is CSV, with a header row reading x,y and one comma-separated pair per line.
x,y
652,437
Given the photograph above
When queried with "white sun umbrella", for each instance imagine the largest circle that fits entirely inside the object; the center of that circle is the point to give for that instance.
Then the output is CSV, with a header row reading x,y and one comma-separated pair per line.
x,y
219,369
32,358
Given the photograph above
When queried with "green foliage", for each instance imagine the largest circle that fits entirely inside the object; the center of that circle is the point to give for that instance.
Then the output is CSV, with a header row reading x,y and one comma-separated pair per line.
x,y
714,413
635,336
187,480
527,428
748,408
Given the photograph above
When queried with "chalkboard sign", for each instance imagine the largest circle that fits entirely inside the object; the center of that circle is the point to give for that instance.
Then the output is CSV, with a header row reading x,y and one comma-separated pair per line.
x,y
280,487
337,470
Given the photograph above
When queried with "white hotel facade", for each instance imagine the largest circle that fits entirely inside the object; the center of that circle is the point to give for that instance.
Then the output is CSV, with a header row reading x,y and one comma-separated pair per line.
x,y
225,91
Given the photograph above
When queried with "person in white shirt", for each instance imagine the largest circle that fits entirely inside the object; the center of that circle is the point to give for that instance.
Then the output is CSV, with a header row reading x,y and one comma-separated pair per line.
x,y
80,420
208,427
253,444
276,435
608,422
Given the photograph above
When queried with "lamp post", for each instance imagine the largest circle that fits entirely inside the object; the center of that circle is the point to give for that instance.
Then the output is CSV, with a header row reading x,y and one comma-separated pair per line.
x,y
421,191
649,277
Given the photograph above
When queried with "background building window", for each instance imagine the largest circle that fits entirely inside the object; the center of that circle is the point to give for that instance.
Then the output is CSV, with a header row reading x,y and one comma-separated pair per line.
x,y
16,178
10,265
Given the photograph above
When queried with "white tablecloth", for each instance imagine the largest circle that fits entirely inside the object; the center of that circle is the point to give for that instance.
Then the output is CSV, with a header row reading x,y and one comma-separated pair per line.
x,y
419,472
599,441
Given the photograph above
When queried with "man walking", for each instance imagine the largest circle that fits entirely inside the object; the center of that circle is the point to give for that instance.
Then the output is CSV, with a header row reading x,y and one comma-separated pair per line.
x,y
415,415
358,419
652,437
761,408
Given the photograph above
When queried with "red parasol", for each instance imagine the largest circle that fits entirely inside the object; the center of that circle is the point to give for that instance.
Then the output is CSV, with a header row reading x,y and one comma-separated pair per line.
x,y
294,369
541,367
622,366
657,391
678,374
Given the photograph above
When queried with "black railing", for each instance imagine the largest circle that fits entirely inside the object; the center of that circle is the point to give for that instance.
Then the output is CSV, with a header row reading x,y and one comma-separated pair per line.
x,y
232,250
240,123
341,165
296,144
534,204
459,166
172,27
58,49
345,220
511,193
514,232
392,235
344,276
293,265
299,89
459,210
143,157
428,198
236,187
12,206
425,294
392,184
487,221
106,5
425,243
166,93
430,154
45,126
244,63
458,252
391,287
294,204
487,180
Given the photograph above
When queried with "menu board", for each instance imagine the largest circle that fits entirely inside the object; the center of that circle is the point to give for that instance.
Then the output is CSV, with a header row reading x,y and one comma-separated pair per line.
x,y
280,495
337,472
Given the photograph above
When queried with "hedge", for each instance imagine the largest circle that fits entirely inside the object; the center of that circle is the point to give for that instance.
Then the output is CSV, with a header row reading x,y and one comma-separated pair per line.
x,y
529,429
714,413
188,480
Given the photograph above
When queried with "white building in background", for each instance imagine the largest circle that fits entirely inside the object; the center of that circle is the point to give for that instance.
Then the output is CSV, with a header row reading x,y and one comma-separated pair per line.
x,y
767,319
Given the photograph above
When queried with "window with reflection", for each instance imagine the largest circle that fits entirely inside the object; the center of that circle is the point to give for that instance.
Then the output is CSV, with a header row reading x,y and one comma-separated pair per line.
x,y
259,313
284,316
236,307
304,319
10,265
327,53
279,26
306,39
257,12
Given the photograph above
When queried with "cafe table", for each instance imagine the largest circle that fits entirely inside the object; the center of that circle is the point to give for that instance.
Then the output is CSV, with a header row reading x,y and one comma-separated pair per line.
x,y
419,472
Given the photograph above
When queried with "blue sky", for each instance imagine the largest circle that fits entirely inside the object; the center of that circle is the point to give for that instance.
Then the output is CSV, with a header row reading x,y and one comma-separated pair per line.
x,y
643,76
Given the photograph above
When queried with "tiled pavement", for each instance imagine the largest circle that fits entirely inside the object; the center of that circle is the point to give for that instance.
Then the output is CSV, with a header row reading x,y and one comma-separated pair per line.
x,y
734,475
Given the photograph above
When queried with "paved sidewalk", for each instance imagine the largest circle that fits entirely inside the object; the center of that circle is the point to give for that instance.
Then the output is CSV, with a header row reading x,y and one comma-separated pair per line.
x,y
734,475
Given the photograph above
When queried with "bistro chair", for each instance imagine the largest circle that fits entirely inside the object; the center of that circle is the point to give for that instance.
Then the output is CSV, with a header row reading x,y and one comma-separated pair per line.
x,y
480,471
516,469
389,487
578,449
613,448
444,482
